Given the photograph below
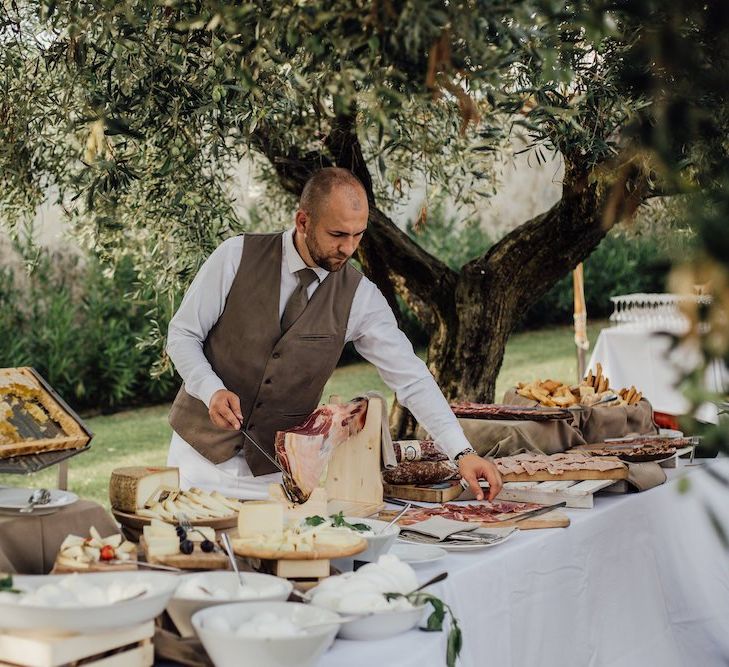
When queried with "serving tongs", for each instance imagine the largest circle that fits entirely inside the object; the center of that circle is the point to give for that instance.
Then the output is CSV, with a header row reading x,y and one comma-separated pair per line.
x,y
289,487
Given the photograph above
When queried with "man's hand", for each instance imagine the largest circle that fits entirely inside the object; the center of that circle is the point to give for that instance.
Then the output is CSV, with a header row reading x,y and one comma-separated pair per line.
x,y
225,411
472,468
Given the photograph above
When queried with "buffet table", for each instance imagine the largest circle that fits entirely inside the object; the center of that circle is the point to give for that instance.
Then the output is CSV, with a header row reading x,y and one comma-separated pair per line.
x,y
641,579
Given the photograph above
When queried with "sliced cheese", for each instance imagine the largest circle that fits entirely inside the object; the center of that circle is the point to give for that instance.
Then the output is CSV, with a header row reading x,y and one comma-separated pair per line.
x,y
130,488
261,518
159,528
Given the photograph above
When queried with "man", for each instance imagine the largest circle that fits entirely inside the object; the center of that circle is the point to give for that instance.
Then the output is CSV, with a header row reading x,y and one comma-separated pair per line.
x,y
260,331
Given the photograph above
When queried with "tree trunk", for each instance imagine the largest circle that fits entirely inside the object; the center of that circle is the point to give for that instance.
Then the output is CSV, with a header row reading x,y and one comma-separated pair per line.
x,y
472,313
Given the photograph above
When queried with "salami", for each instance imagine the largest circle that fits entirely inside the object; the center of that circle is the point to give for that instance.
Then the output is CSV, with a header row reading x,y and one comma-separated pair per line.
x,y
509,412
417,450
420,472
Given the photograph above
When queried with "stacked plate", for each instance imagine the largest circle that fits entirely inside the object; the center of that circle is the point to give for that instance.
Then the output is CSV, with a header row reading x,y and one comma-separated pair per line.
x,y
13,499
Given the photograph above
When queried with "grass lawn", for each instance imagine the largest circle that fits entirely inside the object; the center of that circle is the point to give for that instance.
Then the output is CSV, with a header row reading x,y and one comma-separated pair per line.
x,y
141,437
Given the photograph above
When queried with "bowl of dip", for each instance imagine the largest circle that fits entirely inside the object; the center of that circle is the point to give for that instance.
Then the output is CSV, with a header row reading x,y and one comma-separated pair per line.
x,y
266,634
208,589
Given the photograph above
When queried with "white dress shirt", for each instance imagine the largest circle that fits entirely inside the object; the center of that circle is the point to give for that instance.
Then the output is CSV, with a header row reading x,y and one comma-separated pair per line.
x,y
371,327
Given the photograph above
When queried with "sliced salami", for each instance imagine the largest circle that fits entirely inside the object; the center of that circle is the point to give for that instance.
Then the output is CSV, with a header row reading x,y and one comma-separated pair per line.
x,y
420,472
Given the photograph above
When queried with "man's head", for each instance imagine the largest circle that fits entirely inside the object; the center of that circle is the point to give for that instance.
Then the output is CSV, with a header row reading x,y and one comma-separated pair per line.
x,y
331,219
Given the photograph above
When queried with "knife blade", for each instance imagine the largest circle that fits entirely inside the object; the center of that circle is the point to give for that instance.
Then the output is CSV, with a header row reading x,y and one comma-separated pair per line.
x,y
533,513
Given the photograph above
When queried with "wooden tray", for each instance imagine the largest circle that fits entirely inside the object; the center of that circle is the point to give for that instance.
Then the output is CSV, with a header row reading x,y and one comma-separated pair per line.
x,y
62,568
63,430
568,475
137,522
197,560
322,553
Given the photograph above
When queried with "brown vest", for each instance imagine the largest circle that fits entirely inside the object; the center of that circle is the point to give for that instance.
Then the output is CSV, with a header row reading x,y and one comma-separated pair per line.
x,y
279,378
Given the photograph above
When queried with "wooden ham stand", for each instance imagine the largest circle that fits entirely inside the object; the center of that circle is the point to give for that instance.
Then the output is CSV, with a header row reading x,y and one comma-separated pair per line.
x,y
353,486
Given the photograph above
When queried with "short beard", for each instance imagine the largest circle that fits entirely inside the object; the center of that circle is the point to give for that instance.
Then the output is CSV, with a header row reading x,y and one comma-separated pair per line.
x,y
320,260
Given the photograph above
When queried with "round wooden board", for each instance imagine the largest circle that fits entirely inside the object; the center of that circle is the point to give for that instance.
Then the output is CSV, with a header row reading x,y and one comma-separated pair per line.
x,y
138,522
321,553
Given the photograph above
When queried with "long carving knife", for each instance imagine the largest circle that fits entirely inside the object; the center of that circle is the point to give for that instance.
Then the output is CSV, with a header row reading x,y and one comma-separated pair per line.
x,y
533,513
273,462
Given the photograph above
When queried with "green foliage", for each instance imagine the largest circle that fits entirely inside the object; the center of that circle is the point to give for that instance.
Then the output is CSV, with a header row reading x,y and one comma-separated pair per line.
x,y
81,329
621,264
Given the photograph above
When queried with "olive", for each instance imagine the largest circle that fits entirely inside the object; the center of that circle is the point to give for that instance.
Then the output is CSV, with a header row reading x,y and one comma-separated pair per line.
x,y
207,546
186,546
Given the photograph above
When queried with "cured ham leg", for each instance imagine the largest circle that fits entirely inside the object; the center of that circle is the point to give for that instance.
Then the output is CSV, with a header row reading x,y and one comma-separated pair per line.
x,y
305,450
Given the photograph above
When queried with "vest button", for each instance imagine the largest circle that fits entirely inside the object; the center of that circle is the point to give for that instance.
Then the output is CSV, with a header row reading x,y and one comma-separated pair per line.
x,y
267,381
276,355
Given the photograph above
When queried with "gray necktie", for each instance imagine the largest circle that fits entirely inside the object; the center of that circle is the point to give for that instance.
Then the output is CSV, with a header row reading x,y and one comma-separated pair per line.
x,y
298,299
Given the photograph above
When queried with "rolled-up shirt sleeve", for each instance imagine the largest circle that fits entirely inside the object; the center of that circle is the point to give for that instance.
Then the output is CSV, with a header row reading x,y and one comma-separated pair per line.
x,y
376,336
200,309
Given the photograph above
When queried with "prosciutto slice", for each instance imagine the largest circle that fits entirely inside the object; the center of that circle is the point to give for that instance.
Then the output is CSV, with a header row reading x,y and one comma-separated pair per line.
x,y
305,450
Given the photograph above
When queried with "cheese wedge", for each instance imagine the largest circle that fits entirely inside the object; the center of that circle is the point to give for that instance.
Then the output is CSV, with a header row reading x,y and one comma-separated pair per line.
x,y
162,546
130,488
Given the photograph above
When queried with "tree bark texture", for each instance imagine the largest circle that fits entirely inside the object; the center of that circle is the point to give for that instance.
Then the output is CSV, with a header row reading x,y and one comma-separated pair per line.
x,y
470,313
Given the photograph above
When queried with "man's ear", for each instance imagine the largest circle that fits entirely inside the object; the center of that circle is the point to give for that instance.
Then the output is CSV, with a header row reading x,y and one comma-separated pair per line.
x,y
302,222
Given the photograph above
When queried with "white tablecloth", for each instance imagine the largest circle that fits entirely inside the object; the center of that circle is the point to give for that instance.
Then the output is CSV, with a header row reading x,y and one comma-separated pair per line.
x,y
637,356
637,581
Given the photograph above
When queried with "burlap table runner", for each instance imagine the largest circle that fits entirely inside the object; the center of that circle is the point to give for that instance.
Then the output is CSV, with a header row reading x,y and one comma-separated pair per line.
x,y
492,437
597,424
29,544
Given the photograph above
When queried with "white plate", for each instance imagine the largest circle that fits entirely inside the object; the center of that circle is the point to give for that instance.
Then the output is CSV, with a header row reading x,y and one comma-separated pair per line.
x,y
417,554
13,499
504,533
92,619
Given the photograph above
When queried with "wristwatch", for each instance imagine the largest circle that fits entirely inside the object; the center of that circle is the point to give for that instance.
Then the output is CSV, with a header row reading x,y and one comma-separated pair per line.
x,y
462,453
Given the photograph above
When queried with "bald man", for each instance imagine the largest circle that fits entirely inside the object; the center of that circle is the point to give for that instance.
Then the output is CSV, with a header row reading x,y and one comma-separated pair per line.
x,y
260,331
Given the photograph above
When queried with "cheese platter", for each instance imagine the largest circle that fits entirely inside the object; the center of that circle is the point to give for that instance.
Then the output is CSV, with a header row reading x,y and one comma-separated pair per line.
x,y
95,553
140,494
190,548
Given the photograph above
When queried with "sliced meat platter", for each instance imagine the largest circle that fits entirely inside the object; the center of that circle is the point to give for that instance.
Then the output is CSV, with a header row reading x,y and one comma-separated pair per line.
x,y
510,412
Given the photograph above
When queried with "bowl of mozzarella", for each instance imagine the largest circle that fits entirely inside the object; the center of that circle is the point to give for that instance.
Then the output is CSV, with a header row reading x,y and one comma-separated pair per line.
x,y
367,595
266,634
209,589
84,603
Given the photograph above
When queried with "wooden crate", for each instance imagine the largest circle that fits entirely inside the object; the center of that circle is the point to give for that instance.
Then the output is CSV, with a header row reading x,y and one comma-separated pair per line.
x,y
63,430
577,494
126,647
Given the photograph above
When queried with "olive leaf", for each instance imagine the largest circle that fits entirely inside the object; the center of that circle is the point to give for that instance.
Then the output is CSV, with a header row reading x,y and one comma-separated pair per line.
x,y
314,520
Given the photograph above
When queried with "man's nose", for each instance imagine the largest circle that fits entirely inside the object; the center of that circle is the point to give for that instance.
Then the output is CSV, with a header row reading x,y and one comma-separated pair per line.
x,y
348,246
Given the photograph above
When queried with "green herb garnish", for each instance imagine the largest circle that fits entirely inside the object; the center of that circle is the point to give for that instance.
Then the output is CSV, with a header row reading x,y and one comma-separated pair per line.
x,y
339,522
436,620
314,520
6,584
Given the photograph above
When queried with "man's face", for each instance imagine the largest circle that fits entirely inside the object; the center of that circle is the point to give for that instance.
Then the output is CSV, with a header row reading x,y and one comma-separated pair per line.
x,y
334,232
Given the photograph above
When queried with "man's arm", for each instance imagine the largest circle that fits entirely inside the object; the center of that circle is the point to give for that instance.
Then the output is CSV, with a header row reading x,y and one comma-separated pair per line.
x,y
200,309
376,336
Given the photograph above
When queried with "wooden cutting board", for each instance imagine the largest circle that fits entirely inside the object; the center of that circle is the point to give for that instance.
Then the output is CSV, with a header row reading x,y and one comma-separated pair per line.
x,y
568,475
197,560
555,519
430,493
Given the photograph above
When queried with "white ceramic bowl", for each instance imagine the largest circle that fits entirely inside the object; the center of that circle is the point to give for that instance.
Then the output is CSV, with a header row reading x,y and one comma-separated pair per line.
x,y
376,544
226,649
89,620
182,608
382,624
